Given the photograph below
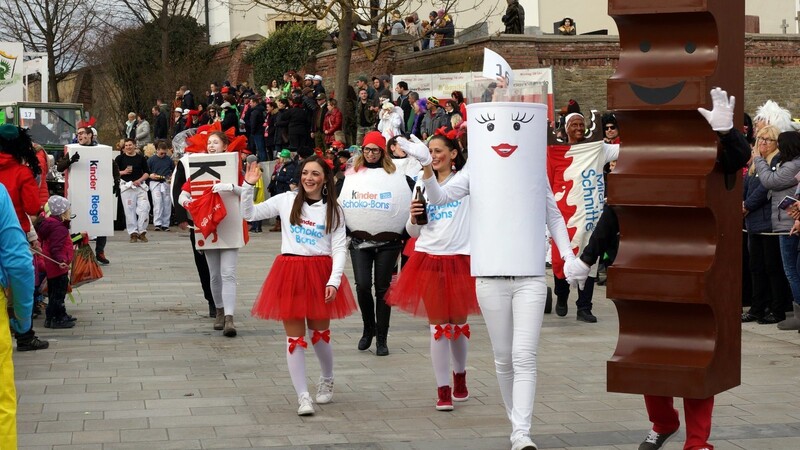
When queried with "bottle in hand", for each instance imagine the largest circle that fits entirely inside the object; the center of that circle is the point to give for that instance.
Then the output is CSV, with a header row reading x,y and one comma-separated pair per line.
x,y
422,218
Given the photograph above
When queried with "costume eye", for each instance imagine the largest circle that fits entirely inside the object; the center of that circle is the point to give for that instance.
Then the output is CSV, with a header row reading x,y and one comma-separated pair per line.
x,y
516,126
490,127
644,46
690,47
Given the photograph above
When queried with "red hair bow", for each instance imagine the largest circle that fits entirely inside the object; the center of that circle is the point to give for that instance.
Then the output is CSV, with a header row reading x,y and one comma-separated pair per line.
x,y
461,330
325,336
293,343
446,331
442,131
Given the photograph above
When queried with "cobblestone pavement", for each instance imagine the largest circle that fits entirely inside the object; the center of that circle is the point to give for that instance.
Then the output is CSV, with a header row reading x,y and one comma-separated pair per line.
x,y
144,370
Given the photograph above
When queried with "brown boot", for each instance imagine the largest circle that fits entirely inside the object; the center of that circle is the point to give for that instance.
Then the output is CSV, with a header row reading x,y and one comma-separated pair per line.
x,y
134,237
230,330
143,237
219,320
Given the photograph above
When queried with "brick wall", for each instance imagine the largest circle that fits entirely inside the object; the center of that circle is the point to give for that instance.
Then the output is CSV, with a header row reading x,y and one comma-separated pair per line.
x,y
581,64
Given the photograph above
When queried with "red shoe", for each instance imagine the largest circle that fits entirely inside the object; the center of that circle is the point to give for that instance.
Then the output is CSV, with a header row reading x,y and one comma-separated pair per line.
x,y
445,402
460,392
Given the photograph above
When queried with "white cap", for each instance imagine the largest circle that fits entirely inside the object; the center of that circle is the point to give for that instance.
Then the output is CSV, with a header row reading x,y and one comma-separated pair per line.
x,y
318,77
309,77
178,110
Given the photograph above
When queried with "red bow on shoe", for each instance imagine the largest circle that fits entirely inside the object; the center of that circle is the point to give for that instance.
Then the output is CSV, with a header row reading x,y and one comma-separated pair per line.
x,y
295,342
325,336
461,330
446,331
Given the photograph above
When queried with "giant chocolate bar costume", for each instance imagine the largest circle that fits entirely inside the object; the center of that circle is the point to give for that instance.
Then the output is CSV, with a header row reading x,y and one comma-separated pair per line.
x,y
676,280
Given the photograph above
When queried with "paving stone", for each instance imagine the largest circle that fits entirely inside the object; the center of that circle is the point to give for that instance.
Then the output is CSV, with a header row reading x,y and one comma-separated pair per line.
x,y
144,370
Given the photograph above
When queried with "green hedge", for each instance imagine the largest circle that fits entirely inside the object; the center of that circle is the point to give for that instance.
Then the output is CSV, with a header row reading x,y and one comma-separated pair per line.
x,y
287,48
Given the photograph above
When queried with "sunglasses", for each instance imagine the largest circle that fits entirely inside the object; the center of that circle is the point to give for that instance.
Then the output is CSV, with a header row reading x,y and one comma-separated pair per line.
x,y
611,127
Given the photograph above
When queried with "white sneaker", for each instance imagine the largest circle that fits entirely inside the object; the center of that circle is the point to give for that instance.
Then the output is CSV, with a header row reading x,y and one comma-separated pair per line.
x,y
306,405
523,443
325,390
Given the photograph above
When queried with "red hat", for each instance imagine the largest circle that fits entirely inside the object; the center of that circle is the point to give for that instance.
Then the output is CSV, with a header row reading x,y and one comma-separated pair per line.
x,y
375,138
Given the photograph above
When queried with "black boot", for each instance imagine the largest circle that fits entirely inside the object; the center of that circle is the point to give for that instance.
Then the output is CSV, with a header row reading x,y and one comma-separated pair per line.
x,y
366,339
380,343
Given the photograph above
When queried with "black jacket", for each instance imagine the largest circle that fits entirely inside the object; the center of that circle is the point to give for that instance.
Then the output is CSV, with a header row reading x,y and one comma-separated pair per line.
x,y
160,127
281,128
298,121
188,101
256,119
231,120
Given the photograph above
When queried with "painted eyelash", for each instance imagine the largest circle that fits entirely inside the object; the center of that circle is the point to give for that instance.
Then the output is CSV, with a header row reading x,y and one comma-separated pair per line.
x,y
483,119
522,119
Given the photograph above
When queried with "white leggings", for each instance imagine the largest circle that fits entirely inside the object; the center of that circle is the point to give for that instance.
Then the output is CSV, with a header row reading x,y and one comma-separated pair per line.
x,y
222,268
513,309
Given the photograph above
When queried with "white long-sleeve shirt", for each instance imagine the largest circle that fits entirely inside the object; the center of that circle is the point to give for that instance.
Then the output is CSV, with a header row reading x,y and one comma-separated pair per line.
x,y
308,238
447,231
459,187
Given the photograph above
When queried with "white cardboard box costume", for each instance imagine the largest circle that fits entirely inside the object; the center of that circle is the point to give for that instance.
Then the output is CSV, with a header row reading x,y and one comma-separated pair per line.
x,y
90,189
205,170
508,187
375,201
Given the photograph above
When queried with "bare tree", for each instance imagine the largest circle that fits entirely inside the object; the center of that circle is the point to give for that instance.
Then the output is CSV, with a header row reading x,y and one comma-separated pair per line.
x,y
59,28
162,13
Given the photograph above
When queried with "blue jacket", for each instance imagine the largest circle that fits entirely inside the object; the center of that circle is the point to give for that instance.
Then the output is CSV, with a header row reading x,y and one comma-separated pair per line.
x,y
16,261
757,201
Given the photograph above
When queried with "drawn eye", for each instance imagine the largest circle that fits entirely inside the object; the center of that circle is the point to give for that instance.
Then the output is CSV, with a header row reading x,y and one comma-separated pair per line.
x,y
516,126
490,127
644,46
690,47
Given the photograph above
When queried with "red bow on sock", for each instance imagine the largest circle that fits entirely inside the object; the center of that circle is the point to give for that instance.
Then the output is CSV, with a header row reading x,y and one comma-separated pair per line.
x,y
295,342
461,330
325,336
446,331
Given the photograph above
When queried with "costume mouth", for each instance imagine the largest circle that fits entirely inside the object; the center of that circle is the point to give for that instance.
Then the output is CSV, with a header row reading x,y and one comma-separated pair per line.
x,y
657,96
504,150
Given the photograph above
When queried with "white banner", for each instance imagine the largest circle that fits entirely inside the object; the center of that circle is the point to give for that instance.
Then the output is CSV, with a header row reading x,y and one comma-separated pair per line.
x,y
508,187
441,85
11,72
205,170
90,186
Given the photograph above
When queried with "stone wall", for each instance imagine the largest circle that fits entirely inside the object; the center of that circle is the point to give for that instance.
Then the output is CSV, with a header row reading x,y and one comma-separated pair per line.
x,y
581,64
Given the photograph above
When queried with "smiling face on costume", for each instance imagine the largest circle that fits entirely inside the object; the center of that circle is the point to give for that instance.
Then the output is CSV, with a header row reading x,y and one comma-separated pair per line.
x,y
506,129
312,178
215,144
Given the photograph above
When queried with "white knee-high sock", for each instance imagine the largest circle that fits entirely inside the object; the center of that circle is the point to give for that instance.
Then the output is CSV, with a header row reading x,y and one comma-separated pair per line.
x,y
440,353
459,346
296,359
321,340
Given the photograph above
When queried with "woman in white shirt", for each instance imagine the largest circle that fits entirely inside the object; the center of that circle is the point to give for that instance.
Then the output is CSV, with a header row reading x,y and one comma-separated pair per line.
x,y
436,281
306,285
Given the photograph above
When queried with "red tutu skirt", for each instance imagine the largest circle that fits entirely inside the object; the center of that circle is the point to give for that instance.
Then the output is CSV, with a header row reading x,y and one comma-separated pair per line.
x,y
295,289
438,287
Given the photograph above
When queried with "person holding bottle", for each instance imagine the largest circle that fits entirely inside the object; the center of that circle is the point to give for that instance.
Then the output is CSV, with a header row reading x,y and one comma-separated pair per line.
x,y
436,281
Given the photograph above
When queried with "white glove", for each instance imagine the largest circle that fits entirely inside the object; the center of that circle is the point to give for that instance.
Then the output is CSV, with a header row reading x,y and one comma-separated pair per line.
x,y
721,117
416,149
222,187
576,271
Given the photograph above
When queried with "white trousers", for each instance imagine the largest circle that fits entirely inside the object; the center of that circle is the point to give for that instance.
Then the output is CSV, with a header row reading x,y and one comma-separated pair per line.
x,y
162,203
222,268
513,309
137,209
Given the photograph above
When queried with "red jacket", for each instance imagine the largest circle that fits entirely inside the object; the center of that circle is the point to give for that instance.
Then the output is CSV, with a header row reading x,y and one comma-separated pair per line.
x,y
22,188
44,191
333,122
56,244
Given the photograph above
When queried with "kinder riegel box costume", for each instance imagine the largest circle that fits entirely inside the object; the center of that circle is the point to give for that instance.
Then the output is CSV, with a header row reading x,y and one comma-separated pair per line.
x,y
507,185
205,170
90,189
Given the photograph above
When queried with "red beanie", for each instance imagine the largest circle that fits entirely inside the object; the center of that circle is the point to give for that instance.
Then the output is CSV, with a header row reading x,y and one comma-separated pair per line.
x,y
375,138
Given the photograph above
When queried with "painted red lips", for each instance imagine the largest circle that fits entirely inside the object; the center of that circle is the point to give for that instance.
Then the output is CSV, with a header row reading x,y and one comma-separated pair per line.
x,y
504,150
